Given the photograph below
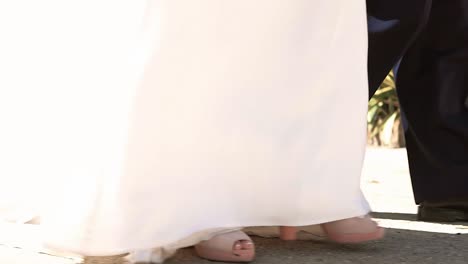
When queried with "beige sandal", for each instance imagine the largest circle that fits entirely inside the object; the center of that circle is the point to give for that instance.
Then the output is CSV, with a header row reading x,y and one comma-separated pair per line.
x,y
117,259
227,248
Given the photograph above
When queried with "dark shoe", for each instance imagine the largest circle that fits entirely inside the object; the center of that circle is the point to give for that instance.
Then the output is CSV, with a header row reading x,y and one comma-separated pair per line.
x,y
443,212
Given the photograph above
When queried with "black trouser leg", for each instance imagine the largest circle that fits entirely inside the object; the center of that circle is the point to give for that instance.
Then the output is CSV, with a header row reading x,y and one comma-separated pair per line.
x,y
433,87
393,26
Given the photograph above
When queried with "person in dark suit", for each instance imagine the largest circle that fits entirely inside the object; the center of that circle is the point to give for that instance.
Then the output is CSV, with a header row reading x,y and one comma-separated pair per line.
x,y
428,42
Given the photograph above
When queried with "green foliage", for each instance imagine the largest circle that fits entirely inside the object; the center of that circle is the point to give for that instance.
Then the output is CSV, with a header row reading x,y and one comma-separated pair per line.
x,y
384,113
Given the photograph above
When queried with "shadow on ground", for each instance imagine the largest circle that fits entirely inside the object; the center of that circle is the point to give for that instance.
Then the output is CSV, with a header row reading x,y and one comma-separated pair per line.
x,y
400,246
394,216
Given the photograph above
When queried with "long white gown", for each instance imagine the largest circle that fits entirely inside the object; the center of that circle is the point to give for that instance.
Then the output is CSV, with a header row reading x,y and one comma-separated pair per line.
x,y
162,122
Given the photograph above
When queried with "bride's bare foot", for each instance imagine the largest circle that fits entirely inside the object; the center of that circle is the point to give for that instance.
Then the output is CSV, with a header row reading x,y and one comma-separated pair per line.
x,y
229,247
351,230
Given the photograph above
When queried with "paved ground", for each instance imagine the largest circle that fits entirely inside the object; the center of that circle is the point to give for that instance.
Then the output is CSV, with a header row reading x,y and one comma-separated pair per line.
x,y
389,192
399,247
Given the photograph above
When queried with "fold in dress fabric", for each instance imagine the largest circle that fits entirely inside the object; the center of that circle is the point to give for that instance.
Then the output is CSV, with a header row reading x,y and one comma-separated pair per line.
x,y
172,120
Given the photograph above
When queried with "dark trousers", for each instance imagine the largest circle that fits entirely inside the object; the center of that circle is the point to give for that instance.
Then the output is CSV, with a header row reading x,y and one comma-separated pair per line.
x,y
430,37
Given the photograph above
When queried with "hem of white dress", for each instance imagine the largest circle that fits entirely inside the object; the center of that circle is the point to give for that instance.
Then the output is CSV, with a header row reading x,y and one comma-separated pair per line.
x,y
219,230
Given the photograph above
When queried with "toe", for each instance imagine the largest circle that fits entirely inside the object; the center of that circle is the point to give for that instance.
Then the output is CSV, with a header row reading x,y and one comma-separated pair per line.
x,y
243,248
237,246
247,244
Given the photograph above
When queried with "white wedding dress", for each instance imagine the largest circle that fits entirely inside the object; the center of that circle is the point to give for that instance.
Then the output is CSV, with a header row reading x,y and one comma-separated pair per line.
x,y
159,123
